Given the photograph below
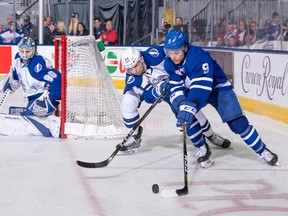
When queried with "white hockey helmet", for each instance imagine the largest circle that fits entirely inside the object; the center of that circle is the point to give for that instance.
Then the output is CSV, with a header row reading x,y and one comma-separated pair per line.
x,y
130,57
26,49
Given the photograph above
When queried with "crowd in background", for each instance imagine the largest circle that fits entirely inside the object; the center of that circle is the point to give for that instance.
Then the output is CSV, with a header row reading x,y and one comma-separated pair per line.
x,y
231,33
14,30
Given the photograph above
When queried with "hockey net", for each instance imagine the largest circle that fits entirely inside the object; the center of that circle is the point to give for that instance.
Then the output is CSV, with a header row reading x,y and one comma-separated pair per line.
x,y
89,100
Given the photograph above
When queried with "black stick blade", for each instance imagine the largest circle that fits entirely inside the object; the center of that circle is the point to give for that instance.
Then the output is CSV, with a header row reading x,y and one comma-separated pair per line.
x,y
99,164
93,165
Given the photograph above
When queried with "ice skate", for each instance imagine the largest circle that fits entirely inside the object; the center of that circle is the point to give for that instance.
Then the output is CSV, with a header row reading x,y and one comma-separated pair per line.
x,y
203,155
219,141
133,142
269,157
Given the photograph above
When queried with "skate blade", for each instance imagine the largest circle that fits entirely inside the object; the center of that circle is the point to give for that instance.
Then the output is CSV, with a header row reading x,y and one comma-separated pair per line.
x,y
277,164
128,152
206,164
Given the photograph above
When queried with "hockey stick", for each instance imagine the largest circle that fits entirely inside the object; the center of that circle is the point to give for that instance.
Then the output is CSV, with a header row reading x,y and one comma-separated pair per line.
x,y
4,97
108,160
184,190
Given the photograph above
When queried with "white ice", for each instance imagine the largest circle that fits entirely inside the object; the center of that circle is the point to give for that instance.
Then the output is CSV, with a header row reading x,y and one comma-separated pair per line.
x,y
39,176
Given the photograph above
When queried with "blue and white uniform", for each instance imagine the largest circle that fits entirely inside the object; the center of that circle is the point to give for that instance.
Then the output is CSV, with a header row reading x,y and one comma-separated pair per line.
x,y
142,88
37,77
208,84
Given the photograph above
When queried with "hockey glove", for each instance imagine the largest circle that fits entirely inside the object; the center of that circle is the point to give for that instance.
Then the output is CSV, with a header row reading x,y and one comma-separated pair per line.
x,y
186,113
8,83
159,89
43,106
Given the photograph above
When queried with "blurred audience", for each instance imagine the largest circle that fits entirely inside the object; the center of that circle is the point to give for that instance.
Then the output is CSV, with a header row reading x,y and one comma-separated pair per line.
x,y
29,29
74,20
8,36
98,27
162,33
109,37
82,30
241,34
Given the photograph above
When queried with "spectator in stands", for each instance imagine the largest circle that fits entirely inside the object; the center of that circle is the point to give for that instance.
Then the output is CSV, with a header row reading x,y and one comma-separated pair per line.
x,y
250,38
29,29
267,31
82,30
98,28
109,37
241,34
10,18
276,25
8,37
232,41
162,33
254,27
74,20
231,31
220,42
285,29
221,28
49,37
48,20
180,25
61,28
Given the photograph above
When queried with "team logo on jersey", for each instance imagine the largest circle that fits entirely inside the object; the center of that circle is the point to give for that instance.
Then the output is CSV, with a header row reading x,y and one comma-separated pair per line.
x,y
180,71
38,68
130,79
154,52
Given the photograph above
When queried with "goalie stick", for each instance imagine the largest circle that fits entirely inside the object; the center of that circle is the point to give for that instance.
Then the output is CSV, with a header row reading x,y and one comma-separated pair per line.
x,y
184,190
108,160
4,97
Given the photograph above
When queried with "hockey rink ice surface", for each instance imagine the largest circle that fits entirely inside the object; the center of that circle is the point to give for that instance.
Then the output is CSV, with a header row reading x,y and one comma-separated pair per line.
x,y
39,176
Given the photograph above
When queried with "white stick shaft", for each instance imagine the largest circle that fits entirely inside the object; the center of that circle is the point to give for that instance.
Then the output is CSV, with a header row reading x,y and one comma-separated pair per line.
x,y
4,97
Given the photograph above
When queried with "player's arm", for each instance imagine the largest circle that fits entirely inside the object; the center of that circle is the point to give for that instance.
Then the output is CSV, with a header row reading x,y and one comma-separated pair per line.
x,y
201,83
10,82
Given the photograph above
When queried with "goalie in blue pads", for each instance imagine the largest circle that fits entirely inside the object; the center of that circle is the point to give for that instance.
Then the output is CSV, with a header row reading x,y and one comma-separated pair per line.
x,y
40,82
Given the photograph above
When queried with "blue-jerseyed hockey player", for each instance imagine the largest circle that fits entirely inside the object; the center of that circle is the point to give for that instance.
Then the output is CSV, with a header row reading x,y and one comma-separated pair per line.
x,y
207,84
40,82
145,76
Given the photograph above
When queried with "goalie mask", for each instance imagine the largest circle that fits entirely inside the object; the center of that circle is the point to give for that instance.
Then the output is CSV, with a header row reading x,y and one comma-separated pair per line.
x,y
26,49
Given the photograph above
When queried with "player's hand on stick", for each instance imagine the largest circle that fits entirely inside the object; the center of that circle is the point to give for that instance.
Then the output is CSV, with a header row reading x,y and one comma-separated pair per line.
x,y
161,87
186,113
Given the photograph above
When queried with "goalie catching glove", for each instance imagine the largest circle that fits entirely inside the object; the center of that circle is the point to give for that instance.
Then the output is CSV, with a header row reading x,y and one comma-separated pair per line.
x,y
45,105
186,113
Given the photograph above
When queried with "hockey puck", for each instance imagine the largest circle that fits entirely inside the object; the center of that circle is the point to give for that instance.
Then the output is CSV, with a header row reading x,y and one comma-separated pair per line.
x,y
155,188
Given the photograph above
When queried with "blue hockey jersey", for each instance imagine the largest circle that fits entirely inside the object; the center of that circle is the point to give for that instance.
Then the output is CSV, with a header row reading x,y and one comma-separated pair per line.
x,y
38,76
202,73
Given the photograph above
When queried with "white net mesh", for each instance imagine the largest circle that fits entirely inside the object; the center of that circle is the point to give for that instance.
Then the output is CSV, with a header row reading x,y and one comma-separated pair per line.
x,y
92,101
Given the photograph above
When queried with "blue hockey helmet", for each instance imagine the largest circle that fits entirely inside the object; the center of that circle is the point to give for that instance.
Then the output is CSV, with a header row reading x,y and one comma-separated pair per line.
x,y
27,49
175,40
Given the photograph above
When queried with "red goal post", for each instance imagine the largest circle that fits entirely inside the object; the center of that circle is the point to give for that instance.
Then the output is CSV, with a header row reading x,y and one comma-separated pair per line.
x,y
90,103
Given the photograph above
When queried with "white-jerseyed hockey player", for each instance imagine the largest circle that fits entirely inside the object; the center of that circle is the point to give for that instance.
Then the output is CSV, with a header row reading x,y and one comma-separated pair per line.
x,y
145,74
40,82
207,85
